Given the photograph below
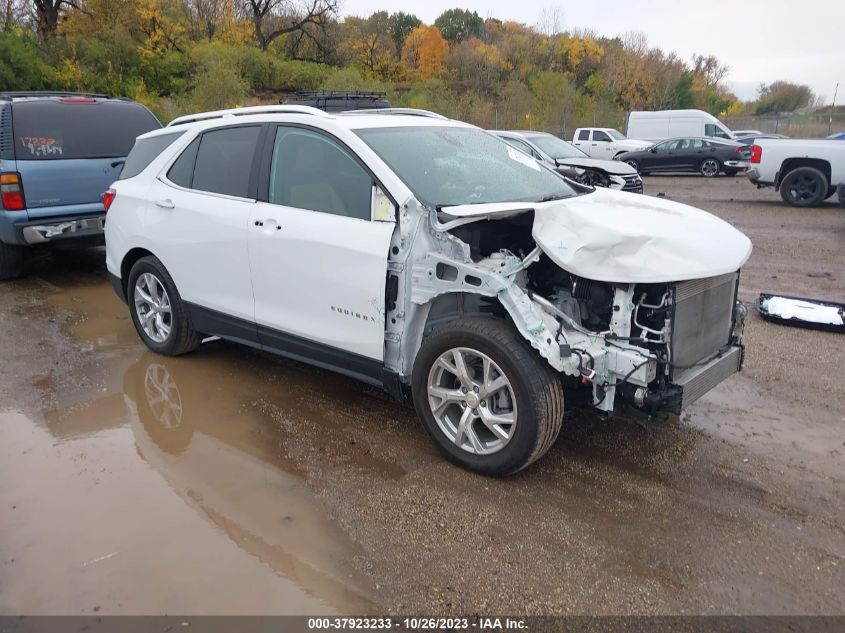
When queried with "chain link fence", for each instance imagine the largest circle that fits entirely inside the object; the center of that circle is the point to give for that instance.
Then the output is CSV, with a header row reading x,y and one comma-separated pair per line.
x,y
815,125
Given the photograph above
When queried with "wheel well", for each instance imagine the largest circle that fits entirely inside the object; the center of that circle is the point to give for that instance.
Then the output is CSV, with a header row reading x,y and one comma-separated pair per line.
x,y
794,163
455,305
128,262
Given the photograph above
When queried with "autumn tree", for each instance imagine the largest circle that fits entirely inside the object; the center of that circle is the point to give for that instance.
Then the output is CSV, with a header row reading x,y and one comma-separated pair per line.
x,y
424,52
479,64
207,17
783,96
457,25
369,46
273,18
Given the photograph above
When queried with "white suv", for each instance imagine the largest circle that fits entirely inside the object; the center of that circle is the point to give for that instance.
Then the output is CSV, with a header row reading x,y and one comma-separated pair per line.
x,y
429,258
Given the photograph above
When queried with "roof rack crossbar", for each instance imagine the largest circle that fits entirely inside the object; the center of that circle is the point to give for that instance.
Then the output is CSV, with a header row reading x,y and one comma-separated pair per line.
x,y
340,94
268,109
7,94
404,111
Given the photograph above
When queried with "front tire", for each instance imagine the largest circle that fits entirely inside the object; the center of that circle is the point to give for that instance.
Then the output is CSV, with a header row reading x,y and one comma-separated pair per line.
x,y
11,261
710,167
488,400
158,312
804,187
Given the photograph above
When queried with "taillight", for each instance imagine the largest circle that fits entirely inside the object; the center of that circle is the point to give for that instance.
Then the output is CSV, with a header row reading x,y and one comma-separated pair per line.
x,y
756,153
11,192
108,198
78,100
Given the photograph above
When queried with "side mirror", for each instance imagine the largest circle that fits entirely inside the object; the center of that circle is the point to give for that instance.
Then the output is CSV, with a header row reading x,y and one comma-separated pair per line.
x,y
653,150
382,207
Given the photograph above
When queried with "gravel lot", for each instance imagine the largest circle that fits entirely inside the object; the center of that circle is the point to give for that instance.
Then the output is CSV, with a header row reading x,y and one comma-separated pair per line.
x,y
230,481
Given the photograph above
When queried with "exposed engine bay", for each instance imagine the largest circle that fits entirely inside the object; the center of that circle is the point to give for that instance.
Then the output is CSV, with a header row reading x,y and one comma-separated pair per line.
x,y
656,346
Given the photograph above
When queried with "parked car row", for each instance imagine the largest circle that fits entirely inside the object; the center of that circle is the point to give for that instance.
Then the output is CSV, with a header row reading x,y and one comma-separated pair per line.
x,y
572,162
476,275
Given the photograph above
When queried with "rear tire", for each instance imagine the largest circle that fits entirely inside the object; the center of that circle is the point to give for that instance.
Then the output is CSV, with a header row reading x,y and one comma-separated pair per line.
x,y
160,316
804,187
507,410
710,167
11,261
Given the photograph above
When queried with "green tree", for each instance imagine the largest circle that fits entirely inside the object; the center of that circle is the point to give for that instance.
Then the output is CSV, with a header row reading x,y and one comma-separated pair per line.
x,y
21,66
457,25
400,25
682,97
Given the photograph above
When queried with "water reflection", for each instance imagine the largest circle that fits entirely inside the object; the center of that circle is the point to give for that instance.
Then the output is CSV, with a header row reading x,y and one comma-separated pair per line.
x,y
194,426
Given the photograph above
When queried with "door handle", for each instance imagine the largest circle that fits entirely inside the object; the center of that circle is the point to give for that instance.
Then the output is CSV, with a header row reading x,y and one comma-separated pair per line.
x,y
165,204
271,222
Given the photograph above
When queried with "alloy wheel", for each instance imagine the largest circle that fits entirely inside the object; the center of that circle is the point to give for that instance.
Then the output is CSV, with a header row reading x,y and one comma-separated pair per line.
x,y
472,401
152,306
803,187
710,168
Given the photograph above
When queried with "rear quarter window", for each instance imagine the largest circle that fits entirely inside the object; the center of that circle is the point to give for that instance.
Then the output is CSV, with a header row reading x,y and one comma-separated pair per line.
x,y
224,161
57,130
146,151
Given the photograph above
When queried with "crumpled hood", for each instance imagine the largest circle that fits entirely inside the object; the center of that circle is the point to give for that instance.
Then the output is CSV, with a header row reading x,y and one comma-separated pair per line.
x,y
621,237
610,166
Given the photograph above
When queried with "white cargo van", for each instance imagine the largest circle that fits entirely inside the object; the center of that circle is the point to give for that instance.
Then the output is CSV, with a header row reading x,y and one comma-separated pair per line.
x,y
658,126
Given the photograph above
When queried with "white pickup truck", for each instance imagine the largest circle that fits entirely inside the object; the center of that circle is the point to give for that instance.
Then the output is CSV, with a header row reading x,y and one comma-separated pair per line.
x,y
605,142
805,171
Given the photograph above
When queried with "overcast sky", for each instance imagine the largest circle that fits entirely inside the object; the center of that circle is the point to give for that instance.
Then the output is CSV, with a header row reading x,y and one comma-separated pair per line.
x,y
761,40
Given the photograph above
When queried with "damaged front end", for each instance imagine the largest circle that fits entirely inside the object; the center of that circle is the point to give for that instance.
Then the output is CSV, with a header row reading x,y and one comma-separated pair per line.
x,y
618,334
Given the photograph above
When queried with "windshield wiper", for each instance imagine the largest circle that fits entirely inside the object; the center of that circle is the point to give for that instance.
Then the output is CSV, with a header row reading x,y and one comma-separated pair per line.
x,y
554,196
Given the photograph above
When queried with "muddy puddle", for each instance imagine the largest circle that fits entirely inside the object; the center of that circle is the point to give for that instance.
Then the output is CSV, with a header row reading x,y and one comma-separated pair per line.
x,y
179,490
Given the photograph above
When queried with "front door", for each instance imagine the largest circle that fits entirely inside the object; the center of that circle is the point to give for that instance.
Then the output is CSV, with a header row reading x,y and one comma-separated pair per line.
x,y
318,257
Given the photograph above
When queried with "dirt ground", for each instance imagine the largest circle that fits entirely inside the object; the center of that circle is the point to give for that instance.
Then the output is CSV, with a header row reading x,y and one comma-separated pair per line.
x,y
232,482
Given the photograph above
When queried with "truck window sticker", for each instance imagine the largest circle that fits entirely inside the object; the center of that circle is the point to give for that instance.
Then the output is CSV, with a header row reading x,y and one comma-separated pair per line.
x,y
41,146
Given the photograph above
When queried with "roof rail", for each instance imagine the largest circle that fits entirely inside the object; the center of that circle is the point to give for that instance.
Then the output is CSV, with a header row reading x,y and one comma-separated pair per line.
x,y
51,93
267,109
405,111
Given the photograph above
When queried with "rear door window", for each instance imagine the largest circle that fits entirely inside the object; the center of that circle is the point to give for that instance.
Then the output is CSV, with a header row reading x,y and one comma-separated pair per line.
x,y
80,128
146,151
224,161
584,135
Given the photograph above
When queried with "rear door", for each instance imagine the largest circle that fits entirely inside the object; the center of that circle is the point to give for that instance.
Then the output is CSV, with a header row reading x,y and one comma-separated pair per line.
x,y
69,150
319,250
197,219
